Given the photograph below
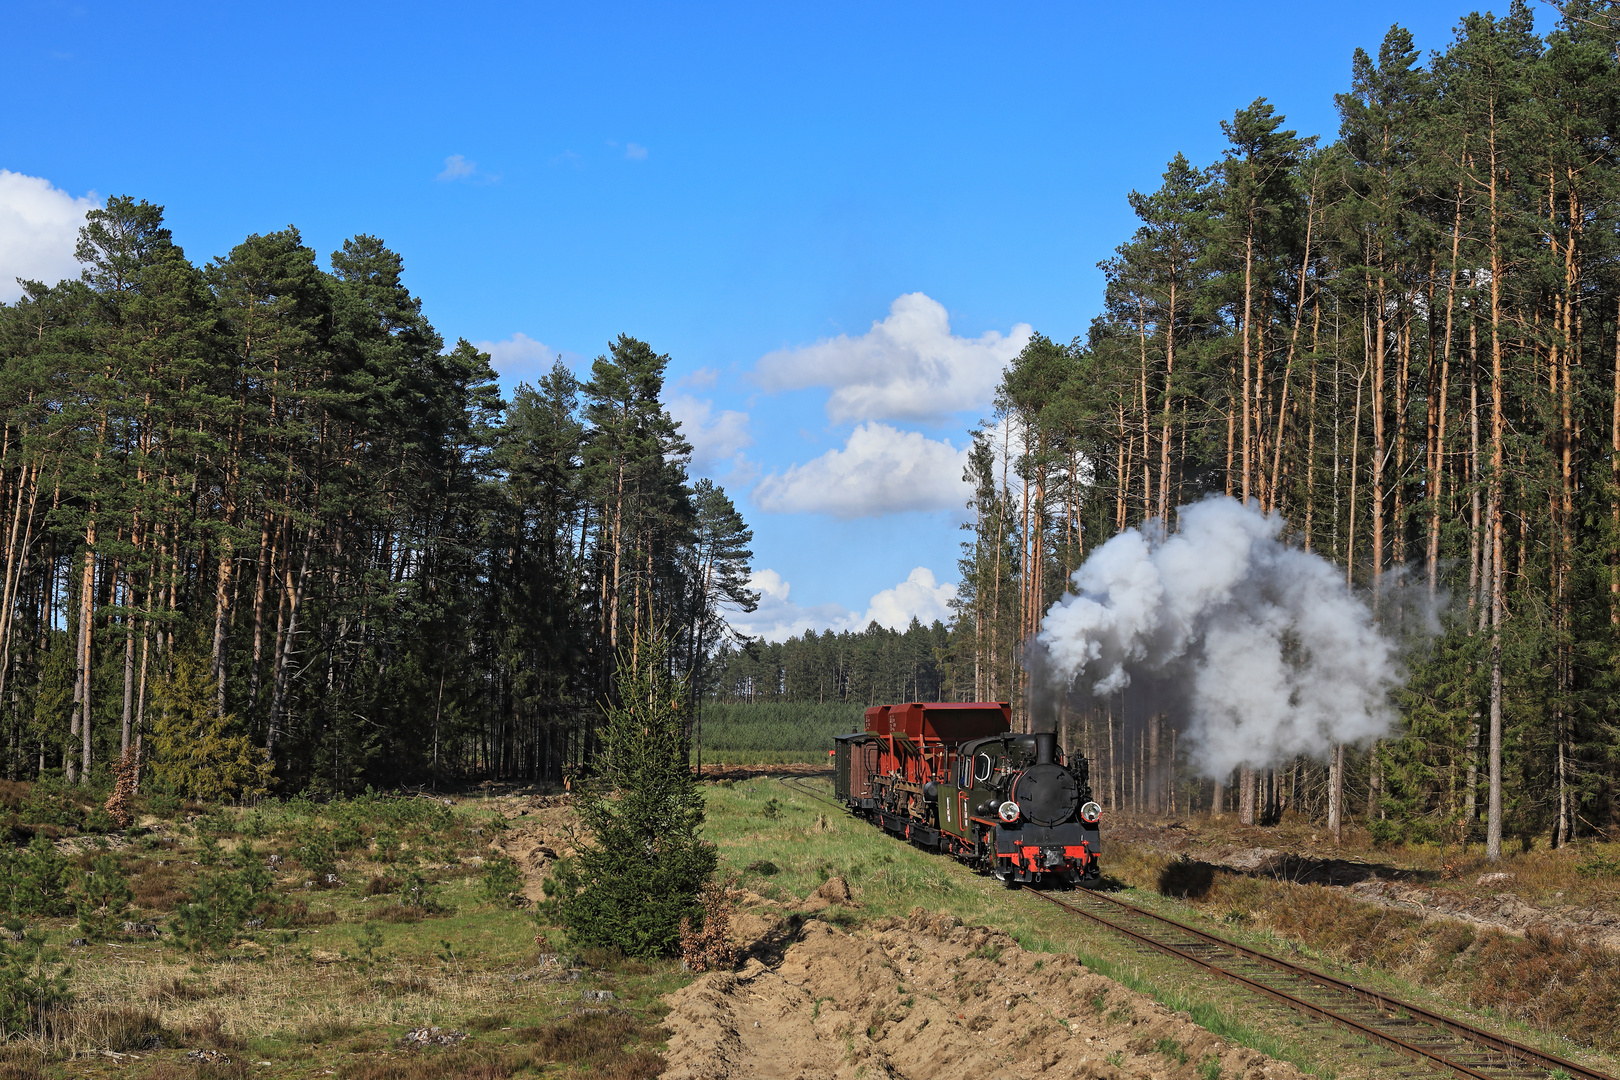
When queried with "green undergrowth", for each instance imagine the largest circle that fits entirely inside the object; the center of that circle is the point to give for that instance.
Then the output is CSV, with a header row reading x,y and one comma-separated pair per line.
x,y
299,975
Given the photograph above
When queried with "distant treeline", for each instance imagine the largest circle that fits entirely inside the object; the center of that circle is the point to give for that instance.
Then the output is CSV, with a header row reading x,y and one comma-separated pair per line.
x,y
774,731
874,666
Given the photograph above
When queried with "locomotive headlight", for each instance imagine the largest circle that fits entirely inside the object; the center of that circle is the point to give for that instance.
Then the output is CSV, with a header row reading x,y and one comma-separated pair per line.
x,y
1090,813
1008,812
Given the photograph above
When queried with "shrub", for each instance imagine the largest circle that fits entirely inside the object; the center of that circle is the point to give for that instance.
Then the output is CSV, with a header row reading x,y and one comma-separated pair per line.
x,y
34,881
416,892
49,803
214,912
707,946
33,981
315,851
103,898
502,882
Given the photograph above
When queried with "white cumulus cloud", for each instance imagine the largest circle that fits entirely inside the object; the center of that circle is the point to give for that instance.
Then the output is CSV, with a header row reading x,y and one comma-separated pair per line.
x,y
519,358
919,595
880,470
778,618
908,365
718,437
39,226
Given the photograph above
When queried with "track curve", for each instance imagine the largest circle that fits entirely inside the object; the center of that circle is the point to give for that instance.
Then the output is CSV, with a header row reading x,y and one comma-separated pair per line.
x,y
1433,1039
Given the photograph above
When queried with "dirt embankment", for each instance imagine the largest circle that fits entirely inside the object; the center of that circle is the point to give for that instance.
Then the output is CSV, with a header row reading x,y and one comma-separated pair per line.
x,y
540,830
928,998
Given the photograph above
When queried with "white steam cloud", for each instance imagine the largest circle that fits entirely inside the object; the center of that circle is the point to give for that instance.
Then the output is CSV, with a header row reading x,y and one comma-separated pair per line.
x,y
1261,650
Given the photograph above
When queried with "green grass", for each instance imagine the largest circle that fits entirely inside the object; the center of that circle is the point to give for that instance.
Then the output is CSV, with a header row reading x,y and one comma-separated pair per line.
x,y
334,991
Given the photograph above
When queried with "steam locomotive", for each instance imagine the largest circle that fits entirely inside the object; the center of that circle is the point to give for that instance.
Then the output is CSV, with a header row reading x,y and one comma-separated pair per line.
x,y
952,777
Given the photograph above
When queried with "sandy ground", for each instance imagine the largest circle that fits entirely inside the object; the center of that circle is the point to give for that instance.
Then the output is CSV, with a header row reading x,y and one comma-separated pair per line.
x,y
540,830
928,998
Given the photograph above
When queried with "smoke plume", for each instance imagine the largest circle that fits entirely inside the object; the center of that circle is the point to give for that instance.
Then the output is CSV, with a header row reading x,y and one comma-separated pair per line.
x,y
1259,651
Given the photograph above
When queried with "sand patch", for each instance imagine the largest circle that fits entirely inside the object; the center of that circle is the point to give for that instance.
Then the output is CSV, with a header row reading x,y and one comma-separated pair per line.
x,y
928,998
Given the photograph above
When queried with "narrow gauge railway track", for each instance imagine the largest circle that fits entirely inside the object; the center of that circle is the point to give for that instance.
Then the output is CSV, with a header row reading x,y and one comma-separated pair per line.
x,y
1436,1042
1439,1042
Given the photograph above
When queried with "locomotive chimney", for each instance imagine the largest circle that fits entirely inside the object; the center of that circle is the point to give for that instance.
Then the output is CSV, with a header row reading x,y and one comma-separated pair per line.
x,y
1045,747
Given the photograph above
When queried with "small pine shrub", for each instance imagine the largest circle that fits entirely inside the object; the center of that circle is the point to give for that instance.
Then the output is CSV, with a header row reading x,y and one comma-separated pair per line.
x,y
315,851
34,881
640,876
33,983
501,882
416,892
50,803
103,898
214,912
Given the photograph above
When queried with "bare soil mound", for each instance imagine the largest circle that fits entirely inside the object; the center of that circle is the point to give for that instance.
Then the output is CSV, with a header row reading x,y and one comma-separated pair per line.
x,y
540,830
928,998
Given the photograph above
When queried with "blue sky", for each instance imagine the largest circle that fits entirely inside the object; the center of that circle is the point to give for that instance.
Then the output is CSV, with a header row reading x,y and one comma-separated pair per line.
x,y
748,187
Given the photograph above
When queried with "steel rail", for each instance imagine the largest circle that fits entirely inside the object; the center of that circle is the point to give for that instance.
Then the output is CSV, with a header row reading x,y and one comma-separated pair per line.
x,y
1517,1052
1506,1047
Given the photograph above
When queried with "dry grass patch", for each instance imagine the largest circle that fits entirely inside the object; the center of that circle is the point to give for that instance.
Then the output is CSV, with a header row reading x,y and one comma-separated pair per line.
x,y
395,913
121,1030
382,885
161,885
614,1045
471,1063
19,1061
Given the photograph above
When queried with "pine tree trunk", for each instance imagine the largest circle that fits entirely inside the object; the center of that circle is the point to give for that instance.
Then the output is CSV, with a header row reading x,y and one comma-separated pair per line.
x,y
1248,304
1493,824
1336,794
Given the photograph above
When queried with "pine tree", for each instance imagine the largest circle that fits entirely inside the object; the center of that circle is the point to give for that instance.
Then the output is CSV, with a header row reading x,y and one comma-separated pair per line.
x,y
645,865
200,752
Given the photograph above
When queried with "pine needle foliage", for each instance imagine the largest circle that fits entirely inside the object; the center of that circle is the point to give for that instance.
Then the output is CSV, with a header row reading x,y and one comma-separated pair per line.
x,y
631,887
103,898
200,752
33,982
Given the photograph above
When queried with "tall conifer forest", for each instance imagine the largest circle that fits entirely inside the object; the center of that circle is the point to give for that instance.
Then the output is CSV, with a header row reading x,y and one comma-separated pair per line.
x,y
280,476
1406,342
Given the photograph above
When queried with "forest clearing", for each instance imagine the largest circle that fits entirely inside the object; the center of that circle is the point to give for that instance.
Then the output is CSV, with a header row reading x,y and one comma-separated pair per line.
x,y
328,936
